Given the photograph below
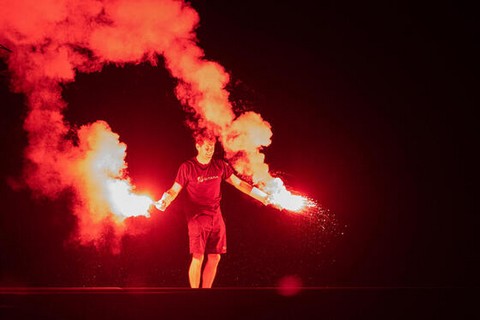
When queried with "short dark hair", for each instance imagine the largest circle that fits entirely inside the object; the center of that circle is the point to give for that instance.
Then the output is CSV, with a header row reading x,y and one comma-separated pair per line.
x,y
203,135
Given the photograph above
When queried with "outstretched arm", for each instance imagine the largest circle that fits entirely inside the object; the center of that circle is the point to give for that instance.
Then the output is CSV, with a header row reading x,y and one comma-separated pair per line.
x,y
168,197
248,189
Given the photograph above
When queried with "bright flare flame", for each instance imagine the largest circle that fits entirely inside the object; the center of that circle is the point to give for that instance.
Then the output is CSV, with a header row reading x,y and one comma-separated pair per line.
x,y
124,203
288,201
284,199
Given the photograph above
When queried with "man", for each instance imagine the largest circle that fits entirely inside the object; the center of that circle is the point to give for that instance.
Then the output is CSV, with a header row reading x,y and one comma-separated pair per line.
x,y
201,177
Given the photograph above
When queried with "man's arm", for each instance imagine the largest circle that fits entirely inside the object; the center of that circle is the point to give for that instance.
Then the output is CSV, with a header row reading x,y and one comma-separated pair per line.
x,y
168,196
248,189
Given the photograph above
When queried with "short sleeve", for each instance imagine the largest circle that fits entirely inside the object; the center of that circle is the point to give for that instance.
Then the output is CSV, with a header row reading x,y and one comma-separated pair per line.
x,y
227,170
182,175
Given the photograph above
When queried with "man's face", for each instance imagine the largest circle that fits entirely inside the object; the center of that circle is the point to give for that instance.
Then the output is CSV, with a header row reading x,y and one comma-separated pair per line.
x,y
206,149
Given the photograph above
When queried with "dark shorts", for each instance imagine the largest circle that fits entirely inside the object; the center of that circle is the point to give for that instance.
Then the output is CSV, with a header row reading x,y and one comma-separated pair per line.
x,y
207,234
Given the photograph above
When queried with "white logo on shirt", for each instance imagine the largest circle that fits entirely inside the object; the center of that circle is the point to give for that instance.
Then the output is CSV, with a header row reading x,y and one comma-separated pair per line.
x,y
201,179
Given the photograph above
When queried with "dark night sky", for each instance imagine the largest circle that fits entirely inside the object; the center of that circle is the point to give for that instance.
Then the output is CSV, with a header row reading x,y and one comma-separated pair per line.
x,y
372,115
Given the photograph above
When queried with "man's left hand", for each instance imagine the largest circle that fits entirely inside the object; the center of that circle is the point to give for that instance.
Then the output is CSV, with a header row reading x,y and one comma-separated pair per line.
x,y
161,205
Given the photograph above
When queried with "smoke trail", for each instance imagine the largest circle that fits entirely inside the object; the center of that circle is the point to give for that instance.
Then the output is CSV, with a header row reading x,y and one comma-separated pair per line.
x,y
52,40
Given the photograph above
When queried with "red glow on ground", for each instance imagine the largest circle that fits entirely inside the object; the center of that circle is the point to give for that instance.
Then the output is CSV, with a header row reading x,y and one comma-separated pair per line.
x,y
289,285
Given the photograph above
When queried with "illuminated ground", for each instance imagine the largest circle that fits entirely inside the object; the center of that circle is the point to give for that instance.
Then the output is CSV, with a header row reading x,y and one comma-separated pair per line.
x,y
235,303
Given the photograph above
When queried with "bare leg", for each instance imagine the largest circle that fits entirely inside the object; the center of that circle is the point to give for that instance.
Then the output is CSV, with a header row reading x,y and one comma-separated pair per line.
x,y
195,270
210,270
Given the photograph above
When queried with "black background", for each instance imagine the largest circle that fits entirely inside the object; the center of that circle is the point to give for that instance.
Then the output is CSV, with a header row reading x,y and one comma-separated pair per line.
x,y
371,108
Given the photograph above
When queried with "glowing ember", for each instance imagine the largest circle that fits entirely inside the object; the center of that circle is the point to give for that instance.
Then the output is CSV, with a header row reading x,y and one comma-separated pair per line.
x,y
124,203
281,197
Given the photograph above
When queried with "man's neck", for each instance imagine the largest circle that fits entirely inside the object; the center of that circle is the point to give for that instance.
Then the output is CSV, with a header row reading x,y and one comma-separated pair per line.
x,y
203,160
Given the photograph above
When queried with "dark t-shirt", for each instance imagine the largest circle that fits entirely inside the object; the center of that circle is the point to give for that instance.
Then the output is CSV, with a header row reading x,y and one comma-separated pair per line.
x,y
202,185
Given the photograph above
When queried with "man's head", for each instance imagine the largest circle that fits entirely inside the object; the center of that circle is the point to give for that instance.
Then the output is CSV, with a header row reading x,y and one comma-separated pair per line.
x,y
205,145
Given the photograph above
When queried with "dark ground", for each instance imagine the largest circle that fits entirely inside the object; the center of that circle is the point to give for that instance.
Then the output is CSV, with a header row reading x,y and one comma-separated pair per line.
x,y
237,303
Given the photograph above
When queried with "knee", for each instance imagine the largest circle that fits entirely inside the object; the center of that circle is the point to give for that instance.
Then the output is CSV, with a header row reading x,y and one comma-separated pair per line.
x,y
197,258
214,258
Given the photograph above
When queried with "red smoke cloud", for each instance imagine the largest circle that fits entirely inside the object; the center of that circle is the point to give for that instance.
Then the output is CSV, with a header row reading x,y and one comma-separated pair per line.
x,y
52,40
